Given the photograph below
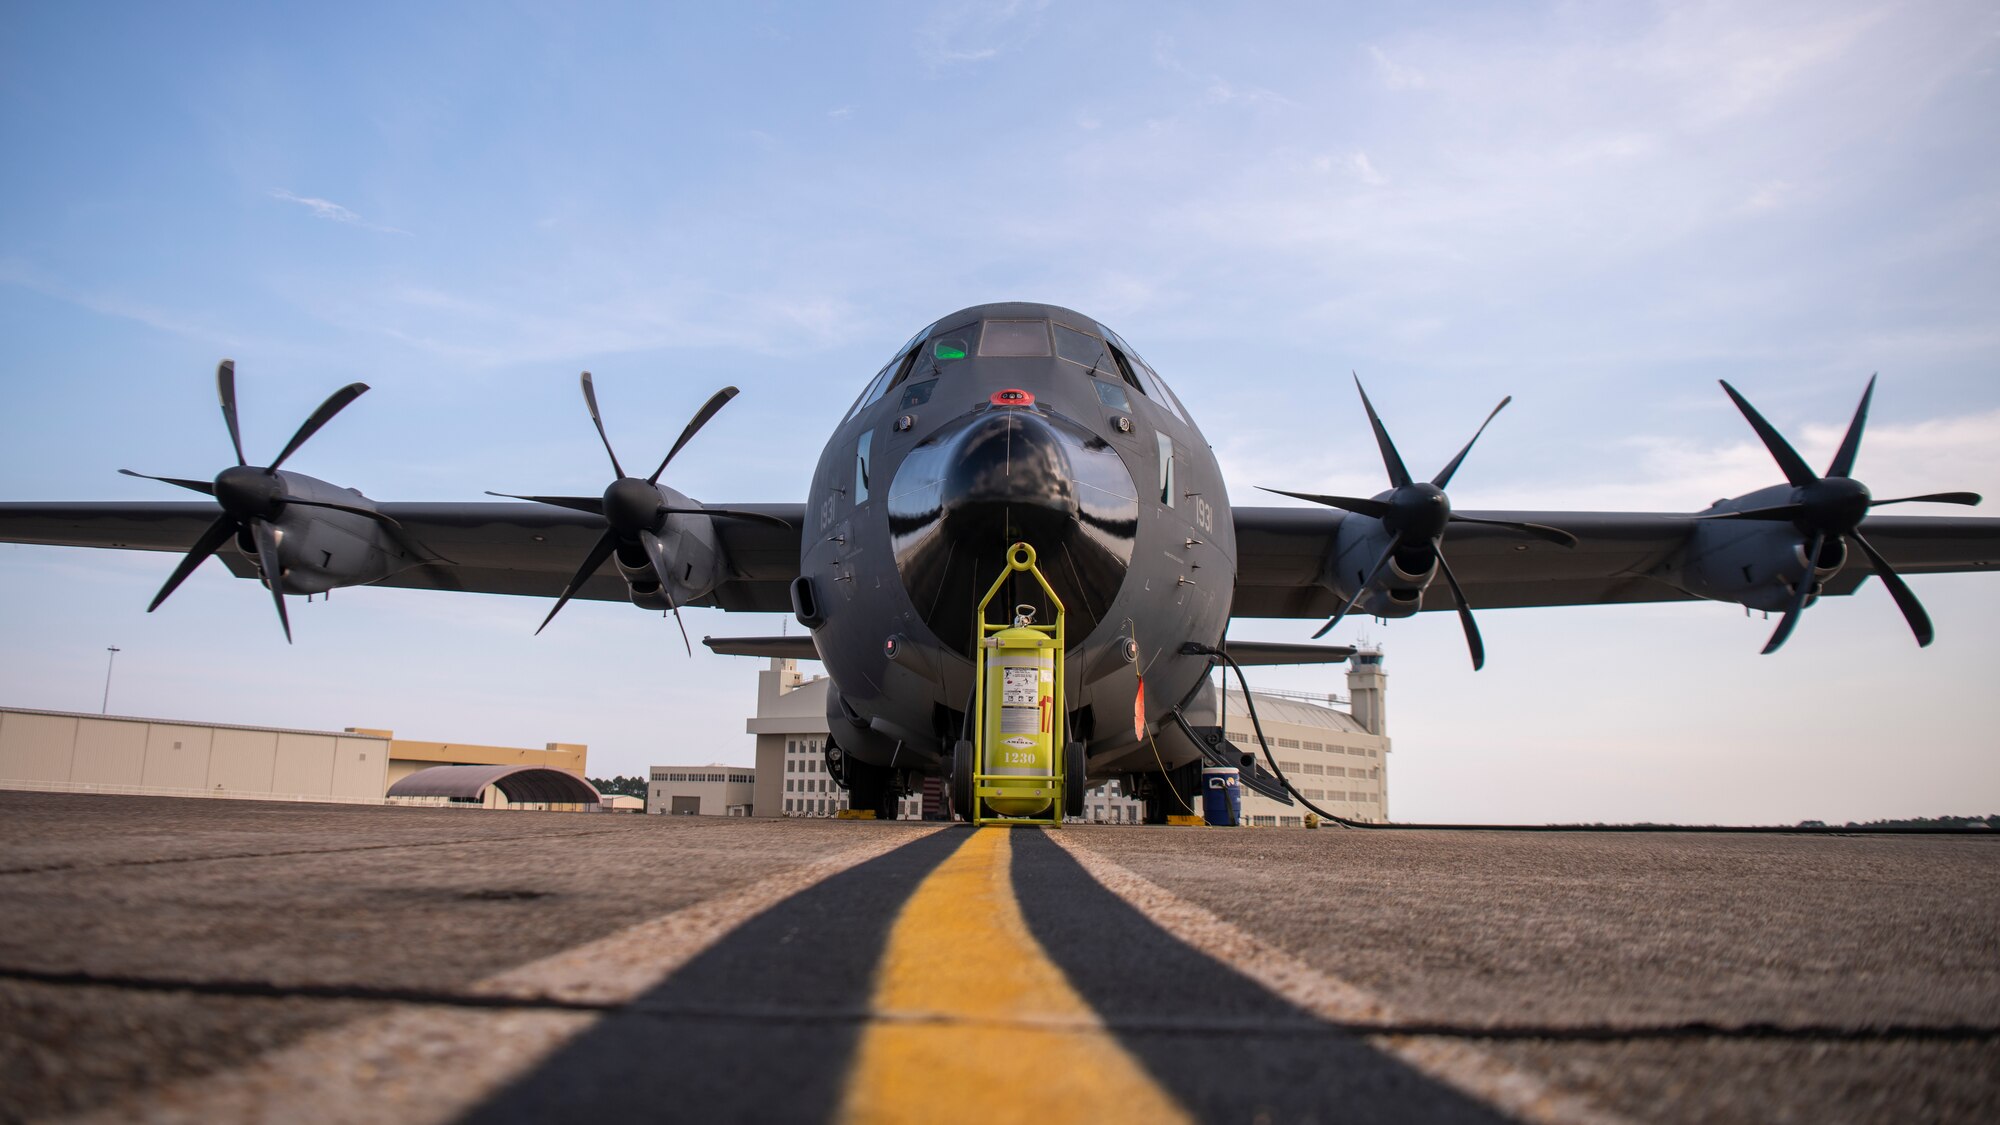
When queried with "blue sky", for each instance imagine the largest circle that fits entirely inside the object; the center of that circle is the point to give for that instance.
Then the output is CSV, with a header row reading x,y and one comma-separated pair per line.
x,y
1597,209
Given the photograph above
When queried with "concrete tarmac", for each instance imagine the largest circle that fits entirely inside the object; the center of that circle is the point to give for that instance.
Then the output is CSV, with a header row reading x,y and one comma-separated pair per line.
x,y
216,960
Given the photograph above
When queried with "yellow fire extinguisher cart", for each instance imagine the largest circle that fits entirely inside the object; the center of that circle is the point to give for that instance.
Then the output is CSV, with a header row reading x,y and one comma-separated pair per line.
x,y
1018,698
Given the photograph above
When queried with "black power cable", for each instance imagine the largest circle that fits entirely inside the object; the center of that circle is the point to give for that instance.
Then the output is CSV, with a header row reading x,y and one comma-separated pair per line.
x,y
1196,648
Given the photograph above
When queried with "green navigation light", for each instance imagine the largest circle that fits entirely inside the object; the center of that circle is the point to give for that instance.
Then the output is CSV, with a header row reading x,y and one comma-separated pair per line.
x,y
950,349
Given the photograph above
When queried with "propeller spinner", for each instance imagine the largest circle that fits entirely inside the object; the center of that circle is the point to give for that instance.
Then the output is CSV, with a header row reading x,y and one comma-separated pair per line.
x,y
1415,514
1831,508
252,497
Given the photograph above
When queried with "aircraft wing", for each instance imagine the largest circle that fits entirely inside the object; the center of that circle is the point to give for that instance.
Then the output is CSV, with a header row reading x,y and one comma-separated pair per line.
x,y
529,549
1619,557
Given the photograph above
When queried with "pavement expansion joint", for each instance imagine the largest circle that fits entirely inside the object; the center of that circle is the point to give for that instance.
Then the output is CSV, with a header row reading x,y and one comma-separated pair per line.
x,y
159,861
1260,1027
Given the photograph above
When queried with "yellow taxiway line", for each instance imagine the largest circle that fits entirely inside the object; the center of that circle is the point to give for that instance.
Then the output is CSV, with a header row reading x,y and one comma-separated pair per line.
x,y
970,1017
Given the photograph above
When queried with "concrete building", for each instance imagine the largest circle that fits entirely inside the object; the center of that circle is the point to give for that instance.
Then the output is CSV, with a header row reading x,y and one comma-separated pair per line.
x,y
1337,758
58,750
710,790
790,727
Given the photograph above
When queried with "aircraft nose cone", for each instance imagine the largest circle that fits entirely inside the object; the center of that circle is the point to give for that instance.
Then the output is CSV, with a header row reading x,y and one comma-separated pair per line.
x,y
1005,476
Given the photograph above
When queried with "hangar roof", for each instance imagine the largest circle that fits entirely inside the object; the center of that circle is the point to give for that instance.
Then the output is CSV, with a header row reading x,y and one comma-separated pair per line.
x,y
519,783
1297,712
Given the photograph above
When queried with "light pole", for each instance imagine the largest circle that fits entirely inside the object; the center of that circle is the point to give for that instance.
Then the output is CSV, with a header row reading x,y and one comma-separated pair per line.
x,y
112,660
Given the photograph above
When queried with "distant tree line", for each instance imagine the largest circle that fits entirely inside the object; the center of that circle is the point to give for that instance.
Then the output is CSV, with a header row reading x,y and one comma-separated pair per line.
x,y
1991,820
628,786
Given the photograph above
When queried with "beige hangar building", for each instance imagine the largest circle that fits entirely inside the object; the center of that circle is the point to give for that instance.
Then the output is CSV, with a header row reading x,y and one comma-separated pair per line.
x,y
65,751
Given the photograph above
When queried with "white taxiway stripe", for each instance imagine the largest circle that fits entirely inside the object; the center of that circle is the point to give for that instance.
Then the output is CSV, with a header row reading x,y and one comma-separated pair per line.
x,y
1460,1065
432,1064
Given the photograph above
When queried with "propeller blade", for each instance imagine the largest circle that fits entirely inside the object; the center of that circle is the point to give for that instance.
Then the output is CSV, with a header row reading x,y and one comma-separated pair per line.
x,y
1355,504
1472,640
715,402
1913,610
1391,460
598,554
1843,461
350,509
663,566
212,539
208,487
1359,590
682,624
730,513
1781,512
1799,596
1969,499
268,562
334,404
225,388
1795,467
590,400
1554,535
1444,478
591,504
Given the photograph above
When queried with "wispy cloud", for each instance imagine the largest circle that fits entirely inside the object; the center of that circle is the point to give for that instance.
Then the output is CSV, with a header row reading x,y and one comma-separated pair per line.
x,y
1393,74
1216,88
17,272
973,32
332,212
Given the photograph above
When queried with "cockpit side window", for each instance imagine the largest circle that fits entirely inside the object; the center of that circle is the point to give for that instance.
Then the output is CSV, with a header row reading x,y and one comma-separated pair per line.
x,y
1157,388
895,371
873,391
951,345
1015,338
1125,370
1082,350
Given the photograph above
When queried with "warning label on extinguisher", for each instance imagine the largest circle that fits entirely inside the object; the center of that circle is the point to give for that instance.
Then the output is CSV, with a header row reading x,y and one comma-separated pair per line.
x,y
1017,687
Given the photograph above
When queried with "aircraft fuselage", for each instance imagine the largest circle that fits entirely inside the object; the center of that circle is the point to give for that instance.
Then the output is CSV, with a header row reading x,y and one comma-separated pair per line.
x,y
1005,423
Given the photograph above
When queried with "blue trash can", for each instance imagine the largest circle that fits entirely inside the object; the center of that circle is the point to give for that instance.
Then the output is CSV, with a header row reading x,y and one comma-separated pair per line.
x,y
1221,796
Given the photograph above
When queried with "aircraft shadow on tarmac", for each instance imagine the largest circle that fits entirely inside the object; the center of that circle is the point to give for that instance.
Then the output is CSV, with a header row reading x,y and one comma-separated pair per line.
x,y
765,1025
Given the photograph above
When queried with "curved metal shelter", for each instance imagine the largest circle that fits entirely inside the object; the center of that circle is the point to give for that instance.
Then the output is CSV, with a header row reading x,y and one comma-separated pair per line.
x,y
520,784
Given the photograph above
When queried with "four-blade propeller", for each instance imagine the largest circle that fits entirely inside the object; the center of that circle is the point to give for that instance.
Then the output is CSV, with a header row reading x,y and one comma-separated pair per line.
x,y
253,497
635,510
1831,508
1415,514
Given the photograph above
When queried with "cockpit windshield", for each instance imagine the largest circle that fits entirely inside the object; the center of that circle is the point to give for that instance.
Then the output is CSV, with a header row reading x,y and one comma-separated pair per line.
x,y
1095,349
1015,338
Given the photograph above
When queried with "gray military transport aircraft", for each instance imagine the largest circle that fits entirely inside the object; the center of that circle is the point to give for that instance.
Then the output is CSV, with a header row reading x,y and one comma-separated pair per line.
x,y
1017,422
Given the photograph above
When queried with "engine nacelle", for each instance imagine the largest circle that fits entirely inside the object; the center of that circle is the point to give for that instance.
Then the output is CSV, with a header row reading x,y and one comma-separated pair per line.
x,y
320,549
694,558
1399,590
1758,565
641,584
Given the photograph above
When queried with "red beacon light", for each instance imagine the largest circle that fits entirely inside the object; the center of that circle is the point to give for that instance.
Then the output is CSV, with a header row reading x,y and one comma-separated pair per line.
x,y
1012,396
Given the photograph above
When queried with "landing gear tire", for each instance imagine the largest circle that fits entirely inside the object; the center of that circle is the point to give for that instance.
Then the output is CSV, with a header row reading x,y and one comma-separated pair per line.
x,y
1073,755
1174,793
961,780
870,787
